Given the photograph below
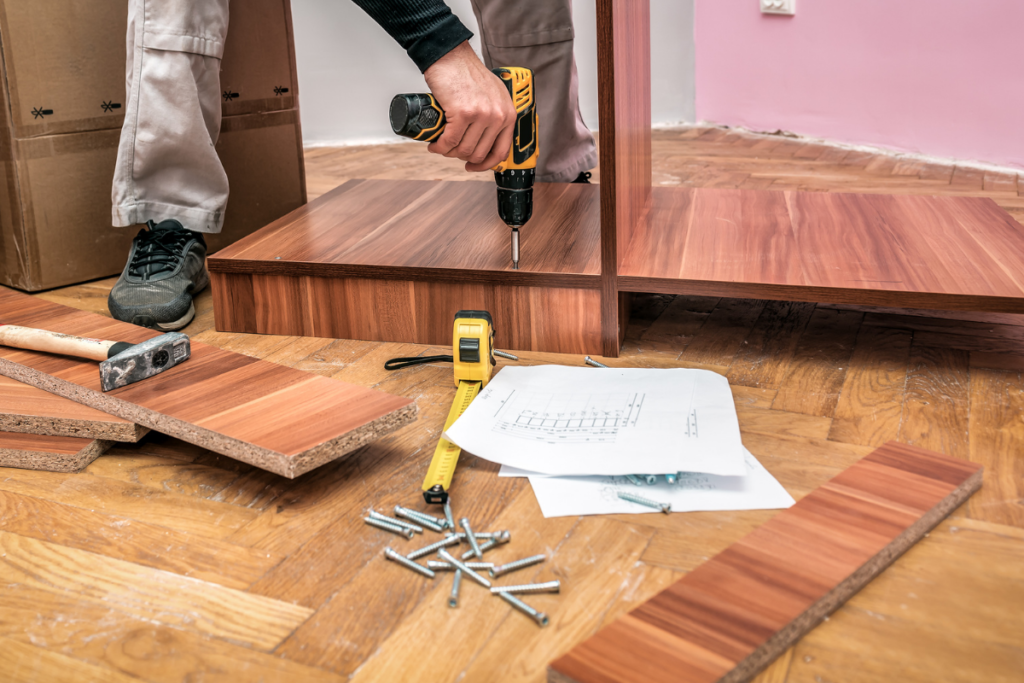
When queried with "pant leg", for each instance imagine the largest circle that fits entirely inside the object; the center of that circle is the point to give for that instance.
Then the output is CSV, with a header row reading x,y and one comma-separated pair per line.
x,y
167,166
539,34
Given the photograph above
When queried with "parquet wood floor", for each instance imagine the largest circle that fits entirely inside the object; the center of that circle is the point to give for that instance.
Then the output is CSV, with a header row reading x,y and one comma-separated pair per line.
x,y
163,561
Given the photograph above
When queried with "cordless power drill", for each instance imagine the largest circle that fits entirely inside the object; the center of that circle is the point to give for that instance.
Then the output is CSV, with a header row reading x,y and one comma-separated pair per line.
x,y
420,117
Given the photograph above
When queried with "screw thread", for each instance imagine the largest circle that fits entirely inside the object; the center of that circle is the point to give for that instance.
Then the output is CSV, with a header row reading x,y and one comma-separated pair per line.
x,y
428,549
439,565
453,597
647,502
539,617
518,564
546,587
459,564
505,354
471,537
590,361
397,522
406,562
413,516
388,526
448,513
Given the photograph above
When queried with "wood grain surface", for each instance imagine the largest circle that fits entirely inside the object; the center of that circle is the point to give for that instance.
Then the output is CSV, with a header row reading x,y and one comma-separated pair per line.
x,y
733,615
947,610
26,409
887,250
624,113
49,453
276,418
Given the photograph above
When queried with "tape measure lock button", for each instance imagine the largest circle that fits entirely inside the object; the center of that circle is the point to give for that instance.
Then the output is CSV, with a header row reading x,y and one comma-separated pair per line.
x,y
469,350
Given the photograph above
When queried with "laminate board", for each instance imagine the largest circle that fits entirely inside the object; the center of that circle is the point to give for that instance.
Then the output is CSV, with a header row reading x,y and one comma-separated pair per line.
x,y
279,419
730,617
901,250
49,453
26,409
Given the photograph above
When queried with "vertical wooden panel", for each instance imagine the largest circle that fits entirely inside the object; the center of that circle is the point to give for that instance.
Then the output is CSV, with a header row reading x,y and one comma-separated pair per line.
x,y
437,303
569,321
280,307
234,306
624,94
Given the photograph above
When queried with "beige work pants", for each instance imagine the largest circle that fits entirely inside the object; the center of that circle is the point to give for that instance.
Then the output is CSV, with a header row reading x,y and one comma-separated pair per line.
x,y
167,166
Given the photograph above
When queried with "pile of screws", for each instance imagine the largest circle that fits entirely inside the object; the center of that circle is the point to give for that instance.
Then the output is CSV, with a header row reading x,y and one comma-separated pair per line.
x,y
408,523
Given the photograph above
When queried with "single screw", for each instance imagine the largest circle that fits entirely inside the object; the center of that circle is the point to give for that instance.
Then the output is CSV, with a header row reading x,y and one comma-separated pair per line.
x,y
671,479
448,513
505,354
397,522
651,479
445,555
514,566
634,479
487,535
439,521
539,617
498,540
414,516
388,526
428,549
590,361
439,566
453,597
640,500
471,537
546,587
406,562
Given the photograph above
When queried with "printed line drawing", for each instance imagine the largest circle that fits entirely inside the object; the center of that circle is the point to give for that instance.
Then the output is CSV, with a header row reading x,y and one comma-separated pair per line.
x,y
568,417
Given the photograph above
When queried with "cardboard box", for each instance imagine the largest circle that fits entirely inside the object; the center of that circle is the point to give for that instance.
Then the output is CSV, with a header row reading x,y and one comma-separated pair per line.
x,y
55,198
62,100
64,62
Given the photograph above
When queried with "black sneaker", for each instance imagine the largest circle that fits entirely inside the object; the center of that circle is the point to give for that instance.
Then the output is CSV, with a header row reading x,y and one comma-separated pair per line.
x,y
165,269
583,177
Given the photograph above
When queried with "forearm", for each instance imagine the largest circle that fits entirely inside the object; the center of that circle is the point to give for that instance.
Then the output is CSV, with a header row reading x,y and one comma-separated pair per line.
x,y
426,29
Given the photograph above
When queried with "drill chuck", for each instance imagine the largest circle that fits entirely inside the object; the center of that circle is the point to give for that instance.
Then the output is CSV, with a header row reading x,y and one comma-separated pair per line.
x,y
515,195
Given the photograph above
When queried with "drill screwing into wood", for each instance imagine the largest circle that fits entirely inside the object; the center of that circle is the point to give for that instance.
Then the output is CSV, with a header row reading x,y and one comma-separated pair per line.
x,y
420,117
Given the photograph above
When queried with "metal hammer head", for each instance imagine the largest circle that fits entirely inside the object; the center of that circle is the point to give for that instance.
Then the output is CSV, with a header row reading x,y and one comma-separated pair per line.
x,y
139,361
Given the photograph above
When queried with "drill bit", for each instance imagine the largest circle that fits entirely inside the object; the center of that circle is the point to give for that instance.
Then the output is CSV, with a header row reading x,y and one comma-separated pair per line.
x,y
515,248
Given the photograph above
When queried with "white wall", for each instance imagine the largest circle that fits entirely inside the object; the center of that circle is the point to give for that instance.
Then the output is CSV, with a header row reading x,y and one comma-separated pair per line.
x,y
349,68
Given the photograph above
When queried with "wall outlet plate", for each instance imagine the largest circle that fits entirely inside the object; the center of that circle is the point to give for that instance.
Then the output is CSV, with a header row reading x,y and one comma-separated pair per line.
x,y
778,7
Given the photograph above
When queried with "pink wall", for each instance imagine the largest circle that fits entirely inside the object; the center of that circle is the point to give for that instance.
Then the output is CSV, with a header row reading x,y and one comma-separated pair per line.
x,y
937,77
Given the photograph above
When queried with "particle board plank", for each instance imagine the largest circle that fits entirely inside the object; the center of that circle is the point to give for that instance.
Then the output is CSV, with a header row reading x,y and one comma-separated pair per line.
x,y
26,409
147,594
820,362
271,416
49,453
870,406
133,540
733,615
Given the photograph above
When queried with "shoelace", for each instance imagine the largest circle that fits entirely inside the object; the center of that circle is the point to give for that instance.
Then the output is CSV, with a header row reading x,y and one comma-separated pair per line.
x,y
158,251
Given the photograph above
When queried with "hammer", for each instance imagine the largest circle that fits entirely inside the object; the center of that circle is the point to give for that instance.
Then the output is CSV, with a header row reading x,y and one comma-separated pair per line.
x,y
122,363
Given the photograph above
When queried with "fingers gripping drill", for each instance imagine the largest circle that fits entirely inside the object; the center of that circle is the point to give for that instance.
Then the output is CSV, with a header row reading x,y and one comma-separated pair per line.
x,y
420,117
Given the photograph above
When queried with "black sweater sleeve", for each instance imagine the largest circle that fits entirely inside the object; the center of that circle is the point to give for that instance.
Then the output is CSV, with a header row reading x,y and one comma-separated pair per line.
x,y
427,29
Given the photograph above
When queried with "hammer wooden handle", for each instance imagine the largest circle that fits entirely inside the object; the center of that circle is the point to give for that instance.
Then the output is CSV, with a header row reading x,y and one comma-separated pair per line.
x,y
55,342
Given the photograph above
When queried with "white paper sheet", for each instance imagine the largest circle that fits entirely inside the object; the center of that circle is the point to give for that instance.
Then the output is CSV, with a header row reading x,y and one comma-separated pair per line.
x,y
570,496
553,419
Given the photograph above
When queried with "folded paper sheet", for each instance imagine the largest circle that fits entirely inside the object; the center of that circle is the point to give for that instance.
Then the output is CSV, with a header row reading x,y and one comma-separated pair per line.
x,y
558,420
568,496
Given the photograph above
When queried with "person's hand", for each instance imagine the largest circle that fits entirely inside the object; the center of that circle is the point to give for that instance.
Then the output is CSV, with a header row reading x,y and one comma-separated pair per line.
x,y
480,114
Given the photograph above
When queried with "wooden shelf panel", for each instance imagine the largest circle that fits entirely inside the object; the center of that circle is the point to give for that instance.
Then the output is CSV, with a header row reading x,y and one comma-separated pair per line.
x,y
420,229
49,453
900,250
26,409
731,616
271,416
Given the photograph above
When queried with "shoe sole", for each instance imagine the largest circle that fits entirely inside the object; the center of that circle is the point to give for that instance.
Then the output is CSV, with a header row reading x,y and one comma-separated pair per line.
x,y
187,318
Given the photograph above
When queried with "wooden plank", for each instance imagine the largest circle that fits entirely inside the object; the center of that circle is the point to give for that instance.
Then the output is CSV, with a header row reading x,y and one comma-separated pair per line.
x,y
49,453
26,409
820,361
730,617
268,415
900,250
870,406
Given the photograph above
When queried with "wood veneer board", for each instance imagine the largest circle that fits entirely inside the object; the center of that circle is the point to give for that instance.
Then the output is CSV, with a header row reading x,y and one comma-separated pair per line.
x,y
28,410
730,617
624,96
49,453
891,250
271,416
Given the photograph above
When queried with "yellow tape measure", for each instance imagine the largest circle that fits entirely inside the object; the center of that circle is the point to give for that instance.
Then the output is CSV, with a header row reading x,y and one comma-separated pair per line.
x,y
473,356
